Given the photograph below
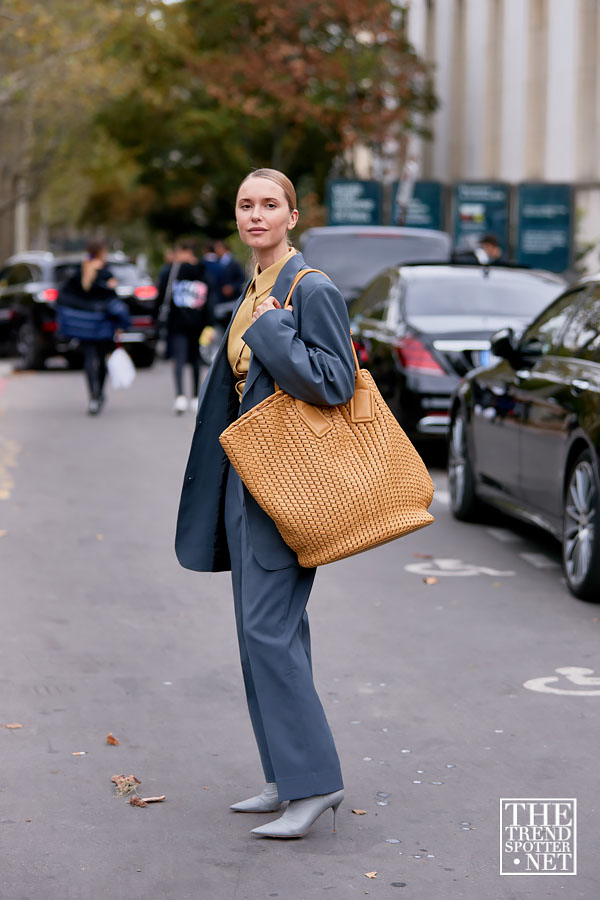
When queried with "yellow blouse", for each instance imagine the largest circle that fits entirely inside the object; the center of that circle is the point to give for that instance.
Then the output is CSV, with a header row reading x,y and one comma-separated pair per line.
x,y
261,287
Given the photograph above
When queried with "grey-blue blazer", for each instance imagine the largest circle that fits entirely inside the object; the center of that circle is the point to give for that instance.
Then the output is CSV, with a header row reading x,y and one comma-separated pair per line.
x,y
309,354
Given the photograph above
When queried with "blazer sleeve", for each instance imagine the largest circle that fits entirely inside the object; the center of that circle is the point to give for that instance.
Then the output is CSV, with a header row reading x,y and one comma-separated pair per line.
x,y
311,360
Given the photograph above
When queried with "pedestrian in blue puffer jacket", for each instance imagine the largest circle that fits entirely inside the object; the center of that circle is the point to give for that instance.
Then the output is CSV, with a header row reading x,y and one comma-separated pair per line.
x,y
90,310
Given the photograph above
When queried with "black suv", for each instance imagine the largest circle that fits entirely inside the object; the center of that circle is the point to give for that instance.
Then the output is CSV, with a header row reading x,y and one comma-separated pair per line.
x,y
30,283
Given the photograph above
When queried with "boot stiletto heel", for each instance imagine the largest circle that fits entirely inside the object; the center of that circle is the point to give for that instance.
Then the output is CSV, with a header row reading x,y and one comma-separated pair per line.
x,y
335,808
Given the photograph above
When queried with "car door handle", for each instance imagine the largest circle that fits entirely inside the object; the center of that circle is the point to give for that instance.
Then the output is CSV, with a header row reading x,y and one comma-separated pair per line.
x,y
578,385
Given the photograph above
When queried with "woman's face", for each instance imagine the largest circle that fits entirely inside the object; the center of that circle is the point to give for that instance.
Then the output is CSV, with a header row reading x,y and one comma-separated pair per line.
x,y
263,214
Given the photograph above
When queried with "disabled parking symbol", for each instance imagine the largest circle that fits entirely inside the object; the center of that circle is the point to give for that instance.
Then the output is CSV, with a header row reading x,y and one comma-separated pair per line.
x,y
453,568
581,677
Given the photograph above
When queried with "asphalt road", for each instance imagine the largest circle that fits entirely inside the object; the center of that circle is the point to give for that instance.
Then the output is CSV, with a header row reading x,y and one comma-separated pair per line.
x,y
424,685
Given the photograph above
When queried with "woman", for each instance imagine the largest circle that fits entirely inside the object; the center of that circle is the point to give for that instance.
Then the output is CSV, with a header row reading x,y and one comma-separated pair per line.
x,y
89,310
305,349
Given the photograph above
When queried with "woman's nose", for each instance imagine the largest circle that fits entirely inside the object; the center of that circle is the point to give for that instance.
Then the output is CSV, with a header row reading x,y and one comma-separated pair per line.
x,y
256,213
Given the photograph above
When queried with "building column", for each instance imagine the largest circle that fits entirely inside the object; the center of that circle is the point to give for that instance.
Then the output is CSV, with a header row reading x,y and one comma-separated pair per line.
x,y
587,137
476,109
443,11
536,97
514,68
561,91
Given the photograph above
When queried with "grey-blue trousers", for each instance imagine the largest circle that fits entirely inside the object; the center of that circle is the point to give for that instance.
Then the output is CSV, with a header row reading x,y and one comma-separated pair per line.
x,y
294,740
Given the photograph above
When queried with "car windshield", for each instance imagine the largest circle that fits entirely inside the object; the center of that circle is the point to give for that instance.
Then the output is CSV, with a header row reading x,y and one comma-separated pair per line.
x,y
352,260
478,296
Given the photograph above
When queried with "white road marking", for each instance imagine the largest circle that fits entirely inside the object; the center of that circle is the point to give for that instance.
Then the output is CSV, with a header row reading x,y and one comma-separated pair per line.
x,y
442,497
574,674
540,560
504,535
453,567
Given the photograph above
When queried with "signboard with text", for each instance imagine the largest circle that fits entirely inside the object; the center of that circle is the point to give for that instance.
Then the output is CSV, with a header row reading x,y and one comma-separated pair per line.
x,y
425,208
480,208
352,202
545,226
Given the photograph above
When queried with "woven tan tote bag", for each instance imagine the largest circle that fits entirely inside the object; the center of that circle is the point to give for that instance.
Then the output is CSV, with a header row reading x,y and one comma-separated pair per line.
x,y
336,480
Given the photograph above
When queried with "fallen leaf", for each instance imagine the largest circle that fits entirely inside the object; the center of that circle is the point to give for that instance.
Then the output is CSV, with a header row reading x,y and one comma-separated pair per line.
x,y
359,812
430,580
13,725
28,820
111,739
125,784
423,555
154,799
370,874
3,533
99,537
79,753
137,801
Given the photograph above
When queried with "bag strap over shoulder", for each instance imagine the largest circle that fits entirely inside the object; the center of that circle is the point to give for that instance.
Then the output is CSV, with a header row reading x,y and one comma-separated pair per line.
x,y
299,276
361,404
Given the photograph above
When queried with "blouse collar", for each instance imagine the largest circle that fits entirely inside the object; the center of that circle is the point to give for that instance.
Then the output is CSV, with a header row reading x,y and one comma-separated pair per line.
x,y
264,281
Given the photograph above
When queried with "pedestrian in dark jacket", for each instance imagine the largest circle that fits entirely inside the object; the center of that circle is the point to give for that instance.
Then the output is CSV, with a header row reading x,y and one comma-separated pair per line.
x,y
231,278
307,350
90,310
187,292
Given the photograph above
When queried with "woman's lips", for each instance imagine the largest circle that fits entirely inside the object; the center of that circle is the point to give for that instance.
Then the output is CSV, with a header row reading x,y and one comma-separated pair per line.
x,y
257,230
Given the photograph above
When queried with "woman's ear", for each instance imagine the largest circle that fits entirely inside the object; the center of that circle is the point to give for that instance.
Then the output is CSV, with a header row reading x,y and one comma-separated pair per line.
x,y
293,219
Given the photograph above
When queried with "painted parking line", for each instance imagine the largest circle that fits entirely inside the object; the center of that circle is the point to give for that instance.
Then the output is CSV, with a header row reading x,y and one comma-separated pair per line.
x,y
504,535
540,560
536,559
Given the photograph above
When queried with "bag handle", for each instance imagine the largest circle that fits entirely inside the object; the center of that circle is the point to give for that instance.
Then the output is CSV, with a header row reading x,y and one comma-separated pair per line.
x,y
299,276
361,404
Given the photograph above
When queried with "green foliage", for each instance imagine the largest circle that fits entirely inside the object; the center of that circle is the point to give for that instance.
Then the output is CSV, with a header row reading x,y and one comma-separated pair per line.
x,y
151,113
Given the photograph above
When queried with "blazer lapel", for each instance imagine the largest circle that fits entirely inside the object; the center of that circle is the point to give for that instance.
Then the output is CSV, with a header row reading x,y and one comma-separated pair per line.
x,y
280,291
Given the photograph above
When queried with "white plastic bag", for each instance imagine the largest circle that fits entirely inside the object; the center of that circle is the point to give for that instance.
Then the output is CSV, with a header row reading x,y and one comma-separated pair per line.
x,y
121,369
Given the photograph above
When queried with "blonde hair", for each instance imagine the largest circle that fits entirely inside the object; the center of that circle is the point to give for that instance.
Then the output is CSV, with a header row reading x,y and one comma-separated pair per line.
x,y
280,179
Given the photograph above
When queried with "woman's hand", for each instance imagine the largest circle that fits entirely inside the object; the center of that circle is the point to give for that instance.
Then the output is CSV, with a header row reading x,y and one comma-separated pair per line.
x,y
265,306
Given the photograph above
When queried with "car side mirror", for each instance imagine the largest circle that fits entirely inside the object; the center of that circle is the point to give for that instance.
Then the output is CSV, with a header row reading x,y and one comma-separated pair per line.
x,y
531,348
502,343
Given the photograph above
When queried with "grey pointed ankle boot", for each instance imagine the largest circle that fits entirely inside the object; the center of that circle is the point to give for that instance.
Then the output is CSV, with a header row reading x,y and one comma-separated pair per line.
x,y
266,801
300,815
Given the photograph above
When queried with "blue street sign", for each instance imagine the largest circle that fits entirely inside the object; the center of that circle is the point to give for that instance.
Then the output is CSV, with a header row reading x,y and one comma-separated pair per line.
x,y
480,208
545,226
353,202
425,208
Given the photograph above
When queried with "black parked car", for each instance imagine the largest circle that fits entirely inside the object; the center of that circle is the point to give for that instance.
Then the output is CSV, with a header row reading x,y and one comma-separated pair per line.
x,y
420,328
29,287
525,432
352,255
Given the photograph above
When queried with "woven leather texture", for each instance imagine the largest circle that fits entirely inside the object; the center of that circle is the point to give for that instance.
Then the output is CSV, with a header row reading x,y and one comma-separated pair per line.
x,y
359,485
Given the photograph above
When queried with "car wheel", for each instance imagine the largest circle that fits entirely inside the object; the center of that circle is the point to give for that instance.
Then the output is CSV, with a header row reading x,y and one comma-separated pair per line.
x,y
581,530
29,345
464,502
